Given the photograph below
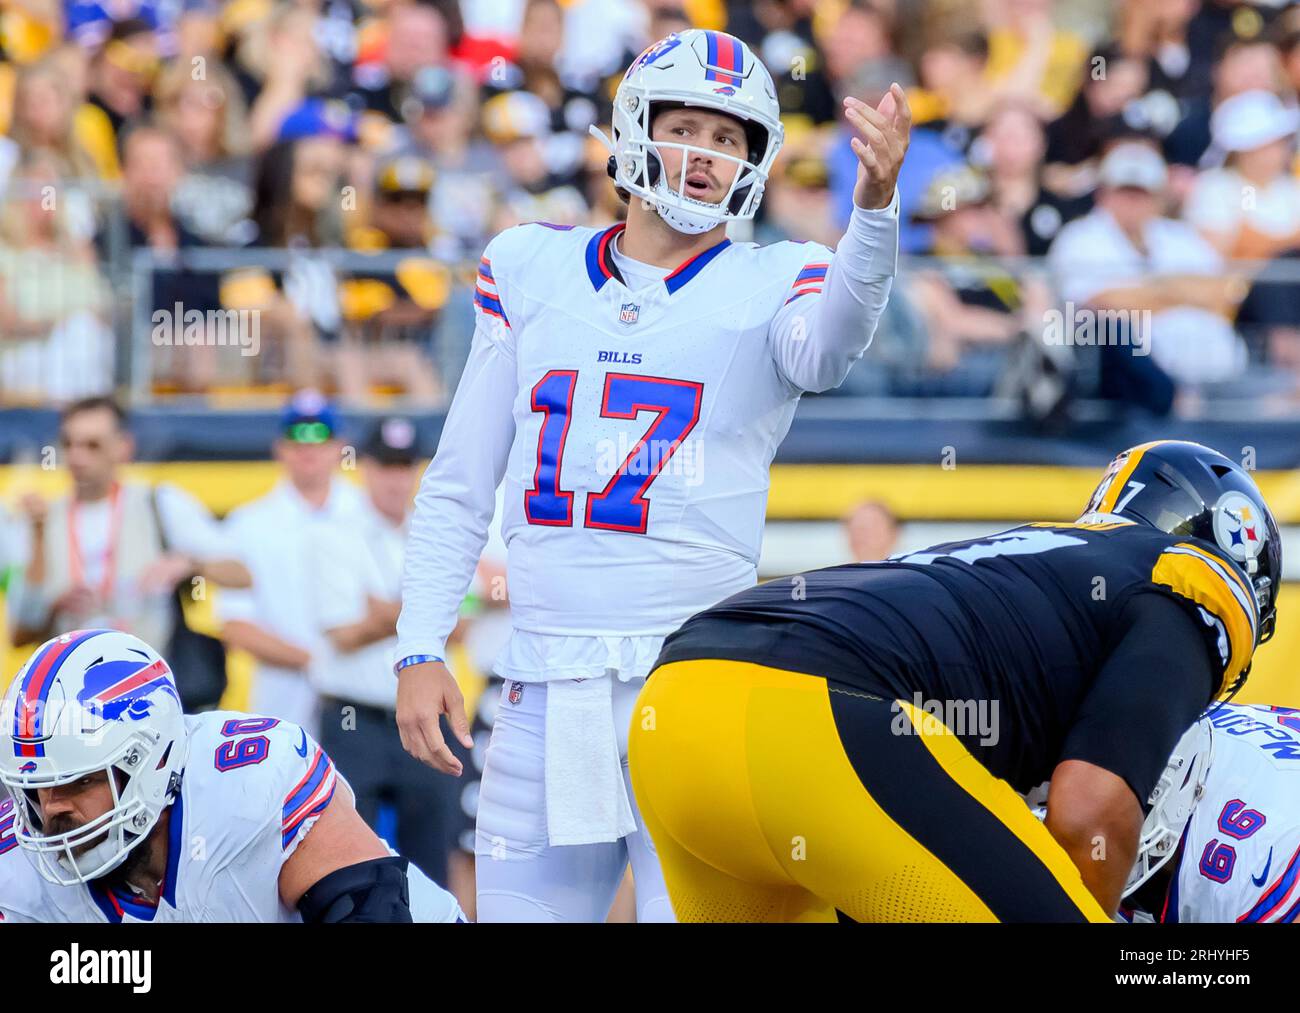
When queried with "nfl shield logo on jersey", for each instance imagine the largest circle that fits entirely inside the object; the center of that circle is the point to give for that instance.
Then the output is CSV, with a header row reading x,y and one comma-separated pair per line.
x,y
629,313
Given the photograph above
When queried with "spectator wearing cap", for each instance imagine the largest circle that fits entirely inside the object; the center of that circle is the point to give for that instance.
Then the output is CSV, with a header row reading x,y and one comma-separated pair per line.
x,y
91,22
391,311
1241,65
441,116
1126,256
536,70
356,578
1250,207
518,123
798,204
274,620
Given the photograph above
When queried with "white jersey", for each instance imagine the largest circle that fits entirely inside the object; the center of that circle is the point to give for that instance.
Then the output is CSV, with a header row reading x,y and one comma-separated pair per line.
x,y
252,789
633,429
1240,859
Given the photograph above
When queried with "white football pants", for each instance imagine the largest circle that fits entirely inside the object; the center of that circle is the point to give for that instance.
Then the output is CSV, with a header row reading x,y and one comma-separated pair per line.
x,y
523,878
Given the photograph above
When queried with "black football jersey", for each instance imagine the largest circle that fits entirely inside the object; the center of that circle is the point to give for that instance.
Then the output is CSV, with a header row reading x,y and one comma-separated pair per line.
x,y
1024,621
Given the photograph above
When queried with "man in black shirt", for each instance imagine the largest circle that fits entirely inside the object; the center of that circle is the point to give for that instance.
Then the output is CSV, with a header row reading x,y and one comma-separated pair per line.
x,y
850,739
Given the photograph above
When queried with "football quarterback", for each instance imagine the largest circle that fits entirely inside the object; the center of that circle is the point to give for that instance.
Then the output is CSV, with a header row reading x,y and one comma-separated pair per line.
x,y
630,386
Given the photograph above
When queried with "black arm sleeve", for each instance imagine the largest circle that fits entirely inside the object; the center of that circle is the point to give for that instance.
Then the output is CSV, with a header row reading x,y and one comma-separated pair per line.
x,y
373,891
1154,683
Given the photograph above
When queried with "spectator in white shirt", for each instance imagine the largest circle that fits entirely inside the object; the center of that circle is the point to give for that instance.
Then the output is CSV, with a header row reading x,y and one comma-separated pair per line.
x,y
113,552
1158,273
1250,208
357,586
274,621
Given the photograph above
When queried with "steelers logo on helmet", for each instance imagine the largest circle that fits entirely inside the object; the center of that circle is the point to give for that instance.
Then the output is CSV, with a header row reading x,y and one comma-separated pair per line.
x,y
1107,480
1237,528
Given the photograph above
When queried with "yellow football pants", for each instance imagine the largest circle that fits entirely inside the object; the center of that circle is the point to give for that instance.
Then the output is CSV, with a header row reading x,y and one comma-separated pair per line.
x,y
771,796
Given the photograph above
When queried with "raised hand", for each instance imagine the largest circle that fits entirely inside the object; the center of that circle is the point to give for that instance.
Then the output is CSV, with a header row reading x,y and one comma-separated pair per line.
x,y
883,134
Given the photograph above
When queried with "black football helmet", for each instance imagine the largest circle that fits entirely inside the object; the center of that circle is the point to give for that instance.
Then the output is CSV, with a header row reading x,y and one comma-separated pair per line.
x,y
1195,492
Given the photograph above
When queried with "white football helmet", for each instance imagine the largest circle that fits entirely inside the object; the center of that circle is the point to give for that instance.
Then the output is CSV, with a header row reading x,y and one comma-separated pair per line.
x,y
1175,796
86,702
711,70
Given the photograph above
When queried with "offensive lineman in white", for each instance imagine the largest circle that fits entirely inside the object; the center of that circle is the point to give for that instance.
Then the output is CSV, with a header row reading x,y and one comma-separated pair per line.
x,y
122,809
631,386
1222,840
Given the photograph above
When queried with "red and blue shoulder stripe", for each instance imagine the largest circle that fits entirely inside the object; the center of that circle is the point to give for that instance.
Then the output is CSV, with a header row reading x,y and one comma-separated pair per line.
x,y
486,296
809,281
308,798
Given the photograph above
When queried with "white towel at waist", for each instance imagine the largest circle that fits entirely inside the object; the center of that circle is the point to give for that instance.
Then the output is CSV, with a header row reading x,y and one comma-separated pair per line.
x,y
586,799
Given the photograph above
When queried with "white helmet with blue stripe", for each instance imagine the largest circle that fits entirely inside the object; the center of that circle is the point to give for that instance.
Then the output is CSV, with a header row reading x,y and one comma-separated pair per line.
x,y
711,70
1174,797
87,702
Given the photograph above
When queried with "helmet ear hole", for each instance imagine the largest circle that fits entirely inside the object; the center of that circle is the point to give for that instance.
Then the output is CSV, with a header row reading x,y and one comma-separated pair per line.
x,y
654,168
738,199
756,138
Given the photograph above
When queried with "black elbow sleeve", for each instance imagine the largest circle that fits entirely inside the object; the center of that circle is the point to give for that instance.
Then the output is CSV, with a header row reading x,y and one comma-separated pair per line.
x,y
372,891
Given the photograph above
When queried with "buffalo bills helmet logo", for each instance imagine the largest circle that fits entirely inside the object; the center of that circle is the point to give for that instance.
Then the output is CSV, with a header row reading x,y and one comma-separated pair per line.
x,y
122,689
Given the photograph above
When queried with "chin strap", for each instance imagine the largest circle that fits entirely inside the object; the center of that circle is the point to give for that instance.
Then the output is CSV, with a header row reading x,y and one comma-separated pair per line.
x,y
92,859
684,220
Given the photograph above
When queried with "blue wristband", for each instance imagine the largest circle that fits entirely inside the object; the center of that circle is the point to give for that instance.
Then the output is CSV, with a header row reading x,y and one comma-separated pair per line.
x,y
414,659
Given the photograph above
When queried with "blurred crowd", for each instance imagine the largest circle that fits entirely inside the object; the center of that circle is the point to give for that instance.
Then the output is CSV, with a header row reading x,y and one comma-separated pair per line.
x,y
331,170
